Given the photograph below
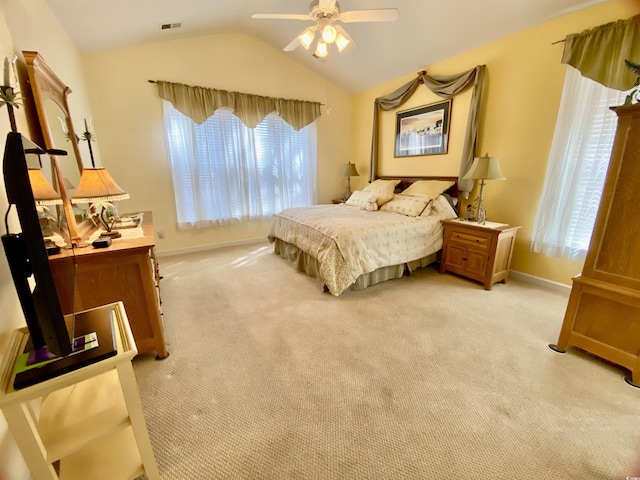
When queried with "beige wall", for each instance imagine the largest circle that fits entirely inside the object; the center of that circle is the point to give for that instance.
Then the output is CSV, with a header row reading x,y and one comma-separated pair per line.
x,y
30,25
524,85
129,124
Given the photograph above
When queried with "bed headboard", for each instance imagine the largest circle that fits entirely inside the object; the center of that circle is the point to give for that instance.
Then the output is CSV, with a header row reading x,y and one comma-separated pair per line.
x,y
406,181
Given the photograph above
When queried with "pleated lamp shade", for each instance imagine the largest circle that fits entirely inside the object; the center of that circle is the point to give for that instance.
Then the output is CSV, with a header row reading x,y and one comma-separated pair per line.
x,y
349,170
97,185
43,192
486,168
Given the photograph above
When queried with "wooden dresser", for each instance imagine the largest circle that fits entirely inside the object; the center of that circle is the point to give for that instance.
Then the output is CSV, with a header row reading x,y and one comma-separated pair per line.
x,y
479,252
603,313
125,271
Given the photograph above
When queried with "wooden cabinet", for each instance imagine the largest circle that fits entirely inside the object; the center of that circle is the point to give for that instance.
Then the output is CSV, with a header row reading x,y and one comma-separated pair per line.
x,y
87,423
125,271
603,313
479,252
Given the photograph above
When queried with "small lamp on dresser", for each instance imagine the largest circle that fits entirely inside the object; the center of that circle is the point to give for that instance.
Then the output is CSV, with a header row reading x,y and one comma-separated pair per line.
x,y
97,187
349,171
483,168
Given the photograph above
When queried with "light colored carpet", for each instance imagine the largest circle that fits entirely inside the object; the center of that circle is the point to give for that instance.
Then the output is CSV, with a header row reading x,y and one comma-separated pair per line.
x,y
425,377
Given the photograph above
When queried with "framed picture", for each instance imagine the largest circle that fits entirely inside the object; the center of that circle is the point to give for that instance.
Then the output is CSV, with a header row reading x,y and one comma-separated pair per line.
x,y
423,130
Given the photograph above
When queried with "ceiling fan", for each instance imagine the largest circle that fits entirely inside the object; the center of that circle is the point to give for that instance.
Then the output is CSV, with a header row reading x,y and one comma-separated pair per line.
x,y
325,14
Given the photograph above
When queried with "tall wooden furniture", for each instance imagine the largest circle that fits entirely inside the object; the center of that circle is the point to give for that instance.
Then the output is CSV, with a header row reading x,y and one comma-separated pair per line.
x,y
479,252
603,313
126,271
89,423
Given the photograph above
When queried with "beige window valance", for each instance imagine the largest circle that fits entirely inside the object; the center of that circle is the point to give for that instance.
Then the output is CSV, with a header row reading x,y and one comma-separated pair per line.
x,y
599,53
445,86
199,103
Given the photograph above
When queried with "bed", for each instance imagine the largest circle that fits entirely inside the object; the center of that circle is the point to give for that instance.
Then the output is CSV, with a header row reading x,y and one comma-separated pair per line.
x,y
348,247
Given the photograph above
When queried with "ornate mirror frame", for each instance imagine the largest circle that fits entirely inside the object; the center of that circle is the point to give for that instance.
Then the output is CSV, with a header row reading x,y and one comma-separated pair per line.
x,y
45,85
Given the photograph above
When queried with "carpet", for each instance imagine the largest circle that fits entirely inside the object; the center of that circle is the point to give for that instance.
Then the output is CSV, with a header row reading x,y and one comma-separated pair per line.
x,y
424,377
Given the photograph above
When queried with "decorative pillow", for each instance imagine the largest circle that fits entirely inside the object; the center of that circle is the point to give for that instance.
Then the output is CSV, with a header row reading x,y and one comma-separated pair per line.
x,y
383,190
441,208
359,199
407,205
428,188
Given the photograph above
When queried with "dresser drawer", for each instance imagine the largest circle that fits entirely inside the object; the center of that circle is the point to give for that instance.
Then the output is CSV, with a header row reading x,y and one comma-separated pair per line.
x,y
476,240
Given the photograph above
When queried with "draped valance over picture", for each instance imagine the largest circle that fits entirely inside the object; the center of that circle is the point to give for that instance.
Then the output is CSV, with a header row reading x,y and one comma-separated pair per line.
x,y
445,86
199,103
599,53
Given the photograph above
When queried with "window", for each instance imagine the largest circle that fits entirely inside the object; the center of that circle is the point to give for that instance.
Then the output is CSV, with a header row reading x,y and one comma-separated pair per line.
x,y
224,171
577,168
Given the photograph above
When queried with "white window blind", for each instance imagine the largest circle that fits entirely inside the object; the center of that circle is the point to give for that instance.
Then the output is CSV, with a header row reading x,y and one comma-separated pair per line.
x,y
224,171
578,162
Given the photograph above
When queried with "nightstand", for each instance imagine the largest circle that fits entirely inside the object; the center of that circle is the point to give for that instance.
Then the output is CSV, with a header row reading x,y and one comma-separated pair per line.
x,y
478,252
337,201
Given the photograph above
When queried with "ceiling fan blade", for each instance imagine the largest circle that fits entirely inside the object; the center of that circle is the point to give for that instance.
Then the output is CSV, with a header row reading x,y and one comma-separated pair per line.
x,y
281,16
380,15
292,46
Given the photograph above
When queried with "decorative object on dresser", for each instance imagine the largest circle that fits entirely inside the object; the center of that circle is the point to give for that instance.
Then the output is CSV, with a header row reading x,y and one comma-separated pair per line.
x,y
483,168
634,94
479,252
349,171
126,270
603,313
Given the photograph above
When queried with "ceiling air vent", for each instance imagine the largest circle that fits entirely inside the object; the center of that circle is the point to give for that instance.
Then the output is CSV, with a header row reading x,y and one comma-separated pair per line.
x,y
168,26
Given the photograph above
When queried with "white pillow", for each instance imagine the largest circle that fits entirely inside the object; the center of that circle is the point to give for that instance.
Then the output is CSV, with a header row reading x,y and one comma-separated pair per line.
x,y
428,188
359,199
441,208
383,190
407,205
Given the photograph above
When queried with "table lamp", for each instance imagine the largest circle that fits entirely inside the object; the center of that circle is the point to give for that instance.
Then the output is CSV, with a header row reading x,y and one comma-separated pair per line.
x,y
483,168
96,187
349,171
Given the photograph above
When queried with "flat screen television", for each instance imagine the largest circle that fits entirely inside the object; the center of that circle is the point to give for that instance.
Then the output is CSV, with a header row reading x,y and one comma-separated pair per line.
x,y
28,261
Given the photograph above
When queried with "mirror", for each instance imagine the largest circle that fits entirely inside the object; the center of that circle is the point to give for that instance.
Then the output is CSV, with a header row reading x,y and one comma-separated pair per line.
x,y
50,99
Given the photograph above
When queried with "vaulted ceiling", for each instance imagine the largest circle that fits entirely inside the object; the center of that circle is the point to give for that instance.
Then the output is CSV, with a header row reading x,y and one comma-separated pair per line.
x,y
427,31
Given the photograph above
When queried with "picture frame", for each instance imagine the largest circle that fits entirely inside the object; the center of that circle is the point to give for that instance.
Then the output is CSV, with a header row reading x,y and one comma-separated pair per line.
x,y
423,130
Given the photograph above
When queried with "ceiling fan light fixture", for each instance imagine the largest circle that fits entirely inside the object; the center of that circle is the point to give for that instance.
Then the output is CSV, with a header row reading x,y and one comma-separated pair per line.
x,y
329,34
306,38
342,42
321,49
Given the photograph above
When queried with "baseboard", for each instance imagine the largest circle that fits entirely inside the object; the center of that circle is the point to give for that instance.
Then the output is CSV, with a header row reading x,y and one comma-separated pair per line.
x,y
214,246
540,282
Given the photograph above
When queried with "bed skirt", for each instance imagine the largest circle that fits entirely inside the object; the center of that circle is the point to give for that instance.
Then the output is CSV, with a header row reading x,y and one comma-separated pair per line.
x,y
304,262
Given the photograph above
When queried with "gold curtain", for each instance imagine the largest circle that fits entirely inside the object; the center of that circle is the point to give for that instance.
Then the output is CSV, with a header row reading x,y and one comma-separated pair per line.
x,y
199,103
599,53
445,86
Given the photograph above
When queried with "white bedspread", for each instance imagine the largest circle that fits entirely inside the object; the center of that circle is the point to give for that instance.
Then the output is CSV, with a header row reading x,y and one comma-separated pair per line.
x,y
349,242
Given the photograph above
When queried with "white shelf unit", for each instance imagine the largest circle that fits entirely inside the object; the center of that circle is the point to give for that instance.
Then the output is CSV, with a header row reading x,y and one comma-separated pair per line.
x,y
84,424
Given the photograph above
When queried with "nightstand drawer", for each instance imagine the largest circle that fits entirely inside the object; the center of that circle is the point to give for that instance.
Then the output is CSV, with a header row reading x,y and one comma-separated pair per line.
x,y
476,240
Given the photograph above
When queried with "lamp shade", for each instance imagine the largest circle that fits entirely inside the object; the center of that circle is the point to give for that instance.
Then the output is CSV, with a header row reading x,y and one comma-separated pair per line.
x,y
97,185
349,170
486,168
43,192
